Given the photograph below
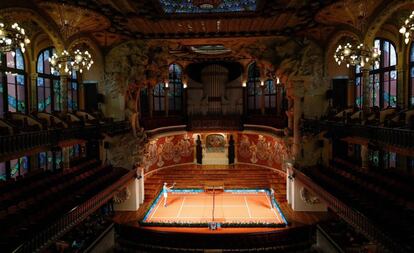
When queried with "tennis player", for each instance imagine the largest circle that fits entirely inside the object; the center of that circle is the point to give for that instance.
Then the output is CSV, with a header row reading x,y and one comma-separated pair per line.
x,y
165,190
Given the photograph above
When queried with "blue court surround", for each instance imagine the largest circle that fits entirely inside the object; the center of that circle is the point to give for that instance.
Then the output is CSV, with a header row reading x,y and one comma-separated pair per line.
x,y
144,221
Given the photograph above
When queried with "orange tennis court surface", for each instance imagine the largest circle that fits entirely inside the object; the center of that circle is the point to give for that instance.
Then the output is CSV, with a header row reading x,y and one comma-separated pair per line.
x,y
234,207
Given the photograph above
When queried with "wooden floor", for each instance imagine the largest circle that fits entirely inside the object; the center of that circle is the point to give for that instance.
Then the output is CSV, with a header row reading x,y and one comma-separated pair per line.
x,y
234,177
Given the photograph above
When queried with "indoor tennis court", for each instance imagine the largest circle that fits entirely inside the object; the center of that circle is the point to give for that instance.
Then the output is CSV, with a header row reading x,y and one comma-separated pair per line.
x,y
196,206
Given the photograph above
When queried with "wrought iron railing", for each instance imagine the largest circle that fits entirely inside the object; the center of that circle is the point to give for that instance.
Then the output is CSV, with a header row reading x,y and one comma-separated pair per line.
x,y
391,136
55,230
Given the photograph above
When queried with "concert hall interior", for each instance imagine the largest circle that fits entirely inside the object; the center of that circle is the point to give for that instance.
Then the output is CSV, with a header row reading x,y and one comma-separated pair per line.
x,y
206,126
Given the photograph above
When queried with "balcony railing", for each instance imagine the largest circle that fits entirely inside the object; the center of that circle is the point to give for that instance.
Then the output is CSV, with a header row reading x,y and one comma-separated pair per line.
x,y
72,218
392,136
22,142
350,215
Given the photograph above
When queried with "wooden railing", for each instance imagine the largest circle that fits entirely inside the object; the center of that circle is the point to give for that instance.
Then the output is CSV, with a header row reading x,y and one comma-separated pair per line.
x,y
10,144
350,215
391,136
44,238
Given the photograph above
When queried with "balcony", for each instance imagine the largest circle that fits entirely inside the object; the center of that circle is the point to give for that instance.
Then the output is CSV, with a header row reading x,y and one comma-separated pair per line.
x,y
403,138
26,141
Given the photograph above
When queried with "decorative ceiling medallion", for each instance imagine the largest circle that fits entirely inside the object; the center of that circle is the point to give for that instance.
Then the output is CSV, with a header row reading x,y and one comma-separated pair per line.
x,y
76,18
207,6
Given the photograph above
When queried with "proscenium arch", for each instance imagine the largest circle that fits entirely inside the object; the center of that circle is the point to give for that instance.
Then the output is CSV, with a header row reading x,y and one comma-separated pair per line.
x,y
384,12
48,26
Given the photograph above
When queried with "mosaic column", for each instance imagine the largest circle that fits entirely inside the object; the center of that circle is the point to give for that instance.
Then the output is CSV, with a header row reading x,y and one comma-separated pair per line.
x,y
64,92
33,95
351,88
366,90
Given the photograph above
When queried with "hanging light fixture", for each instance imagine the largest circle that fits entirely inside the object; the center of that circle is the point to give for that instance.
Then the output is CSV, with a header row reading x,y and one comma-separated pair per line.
x,y
12,37
407,29
356,54
78,59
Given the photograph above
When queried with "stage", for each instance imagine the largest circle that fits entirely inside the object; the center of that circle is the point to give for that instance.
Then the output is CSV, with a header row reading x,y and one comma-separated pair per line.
x,y
195,207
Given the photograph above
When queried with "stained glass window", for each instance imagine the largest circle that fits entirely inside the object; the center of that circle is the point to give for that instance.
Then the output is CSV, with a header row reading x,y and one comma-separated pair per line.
x,y
3,172
19,167
384,76
270,96
12,83
254,91
175,93
46,160
48,83
224,6
158,98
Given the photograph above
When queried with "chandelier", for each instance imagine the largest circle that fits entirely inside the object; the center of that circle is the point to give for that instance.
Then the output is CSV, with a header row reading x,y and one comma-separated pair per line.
x,y
69,62
407,29
12,37
359,54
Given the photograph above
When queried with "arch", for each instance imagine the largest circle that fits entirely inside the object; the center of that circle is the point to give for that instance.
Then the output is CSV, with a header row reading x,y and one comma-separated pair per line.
x,y
46,24
48,97
383,13
333,43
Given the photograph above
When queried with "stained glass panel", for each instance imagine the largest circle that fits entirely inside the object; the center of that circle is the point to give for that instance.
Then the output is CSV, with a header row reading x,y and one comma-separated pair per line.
x,y
224,6
3,176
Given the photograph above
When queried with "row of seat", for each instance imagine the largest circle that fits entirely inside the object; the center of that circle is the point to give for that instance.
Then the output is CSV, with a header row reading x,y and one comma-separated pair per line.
x,y
65,192
390,117
14,123
379,205
291,240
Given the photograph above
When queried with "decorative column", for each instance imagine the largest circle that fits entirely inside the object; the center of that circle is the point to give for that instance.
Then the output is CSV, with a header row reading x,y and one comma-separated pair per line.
x,y
166,100
402,90
66,157
64,92
351,88
366,97
150,100
81,92
262,98
33,95
364,157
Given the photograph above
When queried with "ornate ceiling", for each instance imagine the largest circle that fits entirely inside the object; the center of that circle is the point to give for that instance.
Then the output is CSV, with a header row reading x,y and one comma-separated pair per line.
x,y
113,21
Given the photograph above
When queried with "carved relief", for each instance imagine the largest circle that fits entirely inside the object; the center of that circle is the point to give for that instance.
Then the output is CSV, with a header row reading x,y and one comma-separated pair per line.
x,y
122,195
308,198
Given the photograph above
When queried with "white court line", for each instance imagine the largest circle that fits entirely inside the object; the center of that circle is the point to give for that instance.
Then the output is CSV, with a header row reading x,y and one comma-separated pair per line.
x,y
248,209
181,208
214,205
273,209
156,208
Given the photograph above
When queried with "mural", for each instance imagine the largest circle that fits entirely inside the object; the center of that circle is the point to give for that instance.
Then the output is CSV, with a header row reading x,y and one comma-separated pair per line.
x,y
215,143
169,150
261,149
